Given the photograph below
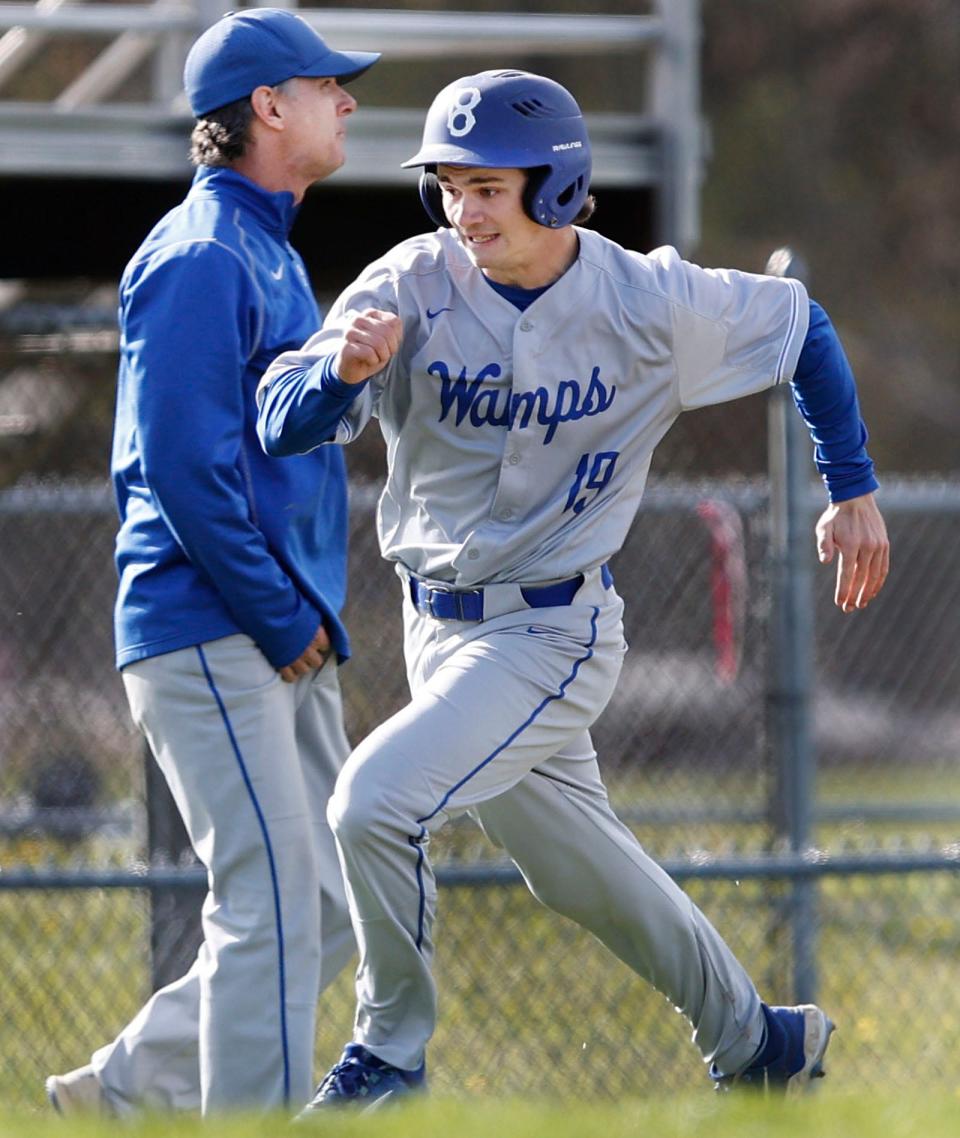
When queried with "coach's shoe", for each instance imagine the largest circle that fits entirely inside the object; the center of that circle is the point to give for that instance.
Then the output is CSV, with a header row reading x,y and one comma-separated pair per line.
x,y
361,1079
791,1055
78,1092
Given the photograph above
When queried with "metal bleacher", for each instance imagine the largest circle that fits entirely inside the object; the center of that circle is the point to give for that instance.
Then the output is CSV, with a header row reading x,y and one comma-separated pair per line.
x,y
112,105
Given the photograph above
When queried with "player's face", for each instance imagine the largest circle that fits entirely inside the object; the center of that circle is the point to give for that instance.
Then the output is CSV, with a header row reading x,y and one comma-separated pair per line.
x,y
485,207
315,113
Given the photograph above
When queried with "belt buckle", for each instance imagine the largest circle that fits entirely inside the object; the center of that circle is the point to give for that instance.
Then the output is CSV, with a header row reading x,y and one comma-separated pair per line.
x,y
433,591
457,598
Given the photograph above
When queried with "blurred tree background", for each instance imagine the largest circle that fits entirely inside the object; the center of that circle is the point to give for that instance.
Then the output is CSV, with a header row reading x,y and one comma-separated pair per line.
x,y
835,128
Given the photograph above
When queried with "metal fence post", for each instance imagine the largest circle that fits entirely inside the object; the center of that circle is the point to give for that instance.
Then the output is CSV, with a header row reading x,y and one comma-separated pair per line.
x,y
790,671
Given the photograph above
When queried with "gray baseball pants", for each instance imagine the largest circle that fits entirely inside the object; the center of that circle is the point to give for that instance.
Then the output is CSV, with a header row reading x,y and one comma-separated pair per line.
x,y
251,762
498,725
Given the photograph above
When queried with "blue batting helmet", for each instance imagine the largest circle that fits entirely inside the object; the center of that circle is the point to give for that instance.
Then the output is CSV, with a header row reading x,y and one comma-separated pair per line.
x,y
509,119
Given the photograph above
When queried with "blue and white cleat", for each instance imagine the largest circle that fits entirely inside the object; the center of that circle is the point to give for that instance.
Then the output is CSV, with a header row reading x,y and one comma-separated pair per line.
x,y
801,1036
361,1079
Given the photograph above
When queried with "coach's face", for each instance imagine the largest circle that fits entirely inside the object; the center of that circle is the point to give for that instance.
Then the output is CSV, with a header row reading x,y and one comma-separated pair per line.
x,y
315,113
485,207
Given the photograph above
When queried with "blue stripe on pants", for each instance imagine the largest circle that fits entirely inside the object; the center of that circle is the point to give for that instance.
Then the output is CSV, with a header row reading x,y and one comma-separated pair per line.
x,y
273,872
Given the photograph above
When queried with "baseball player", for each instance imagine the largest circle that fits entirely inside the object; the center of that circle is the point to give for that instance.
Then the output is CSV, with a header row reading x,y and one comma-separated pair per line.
x,y
523,369
232,572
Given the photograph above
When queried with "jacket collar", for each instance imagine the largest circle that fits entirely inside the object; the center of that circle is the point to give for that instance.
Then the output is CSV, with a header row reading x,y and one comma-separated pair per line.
x,y
275,211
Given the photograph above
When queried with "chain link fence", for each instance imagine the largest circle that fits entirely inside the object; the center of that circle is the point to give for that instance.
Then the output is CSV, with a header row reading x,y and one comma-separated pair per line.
x,y
529,1003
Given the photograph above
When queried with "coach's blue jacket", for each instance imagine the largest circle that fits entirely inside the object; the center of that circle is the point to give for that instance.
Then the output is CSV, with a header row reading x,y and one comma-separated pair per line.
x,y
215,537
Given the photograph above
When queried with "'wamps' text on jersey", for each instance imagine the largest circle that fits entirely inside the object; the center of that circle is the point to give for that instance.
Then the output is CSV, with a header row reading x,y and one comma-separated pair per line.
x,y
494,407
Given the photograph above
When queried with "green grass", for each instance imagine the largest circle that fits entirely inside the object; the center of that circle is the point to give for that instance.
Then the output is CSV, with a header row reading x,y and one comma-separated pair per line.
x,y
821,1115
531,1005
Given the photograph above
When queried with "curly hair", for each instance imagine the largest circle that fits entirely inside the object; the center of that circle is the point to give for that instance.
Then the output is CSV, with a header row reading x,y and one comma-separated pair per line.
x,y
221,136
587,210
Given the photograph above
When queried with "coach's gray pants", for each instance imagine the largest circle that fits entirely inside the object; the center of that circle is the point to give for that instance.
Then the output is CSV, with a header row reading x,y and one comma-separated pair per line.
x,y
251,762
498,726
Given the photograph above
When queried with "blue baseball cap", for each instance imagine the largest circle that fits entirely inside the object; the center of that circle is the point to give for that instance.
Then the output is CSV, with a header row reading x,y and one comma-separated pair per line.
x,y
261,47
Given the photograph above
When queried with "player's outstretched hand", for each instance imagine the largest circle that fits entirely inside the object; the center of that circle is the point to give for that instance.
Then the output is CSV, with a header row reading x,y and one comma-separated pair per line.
x,y
856,533
312,658
370,341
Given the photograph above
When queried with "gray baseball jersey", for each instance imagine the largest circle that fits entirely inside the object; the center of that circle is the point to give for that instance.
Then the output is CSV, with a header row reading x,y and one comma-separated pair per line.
x,y
518,445
586,382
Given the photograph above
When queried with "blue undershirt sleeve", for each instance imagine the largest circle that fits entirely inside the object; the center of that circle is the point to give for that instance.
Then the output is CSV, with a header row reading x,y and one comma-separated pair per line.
x,y
301,407
825,393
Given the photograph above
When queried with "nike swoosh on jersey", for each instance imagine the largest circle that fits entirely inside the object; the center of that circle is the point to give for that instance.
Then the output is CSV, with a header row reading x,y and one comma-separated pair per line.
x,y
433,314
277,273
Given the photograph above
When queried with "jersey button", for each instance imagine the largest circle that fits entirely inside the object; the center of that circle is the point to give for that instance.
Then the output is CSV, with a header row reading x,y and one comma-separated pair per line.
x,y
513,459
473,554
525,326
506,515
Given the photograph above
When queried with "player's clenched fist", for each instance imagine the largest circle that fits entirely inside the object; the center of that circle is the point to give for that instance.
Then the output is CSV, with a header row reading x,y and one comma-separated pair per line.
x,y
370,341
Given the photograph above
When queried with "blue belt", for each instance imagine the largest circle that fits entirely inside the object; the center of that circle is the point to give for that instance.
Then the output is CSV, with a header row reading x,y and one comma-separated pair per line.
x,y
446,603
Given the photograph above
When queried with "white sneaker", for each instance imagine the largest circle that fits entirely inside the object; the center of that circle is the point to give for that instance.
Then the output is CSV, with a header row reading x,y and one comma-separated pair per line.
x,y
78,1092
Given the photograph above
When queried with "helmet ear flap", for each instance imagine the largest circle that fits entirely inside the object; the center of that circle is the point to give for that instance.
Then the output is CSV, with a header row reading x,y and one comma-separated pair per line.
x,y
531,191
551,202
432,198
